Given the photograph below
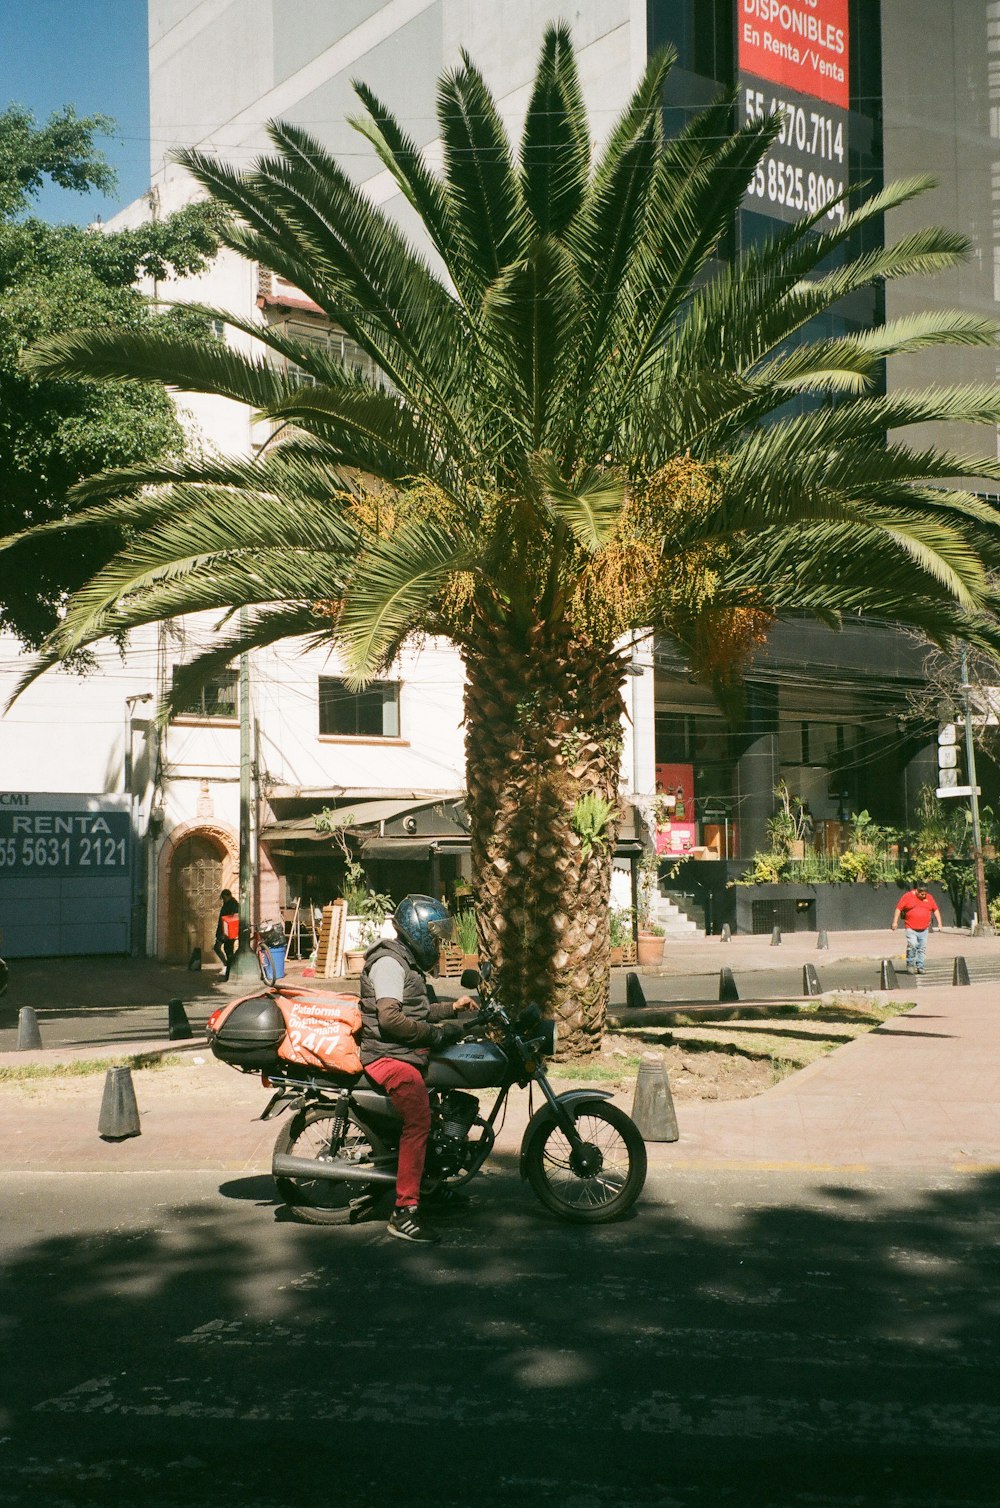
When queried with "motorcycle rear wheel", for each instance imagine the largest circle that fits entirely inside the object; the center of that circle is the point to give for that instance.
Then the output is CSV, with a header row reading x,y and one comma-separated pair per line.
x,y
318,1201
605,1182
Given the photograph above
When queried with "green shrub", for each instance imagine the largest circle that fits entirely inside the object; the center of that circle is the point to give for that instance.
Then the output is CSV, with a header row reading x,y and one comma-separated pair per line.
x,y
467,930
765,869
930,869
592,819
620,923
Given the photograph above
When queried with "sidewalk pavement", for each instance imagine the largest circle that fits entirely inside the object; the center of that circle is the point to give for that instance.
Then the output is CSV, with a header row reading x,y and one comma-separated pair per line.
x,y
921,1092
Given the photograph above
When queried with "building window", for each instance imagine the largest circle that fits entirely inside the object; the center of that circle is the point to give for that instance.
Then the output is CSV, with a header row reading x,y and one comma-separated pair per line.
x,y
331,340
371,713
218,698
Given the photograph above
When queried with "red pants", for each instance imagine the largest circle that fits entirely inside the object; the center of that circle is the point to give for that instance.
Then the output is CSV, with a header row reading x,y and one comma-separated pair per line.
x,y
404,1084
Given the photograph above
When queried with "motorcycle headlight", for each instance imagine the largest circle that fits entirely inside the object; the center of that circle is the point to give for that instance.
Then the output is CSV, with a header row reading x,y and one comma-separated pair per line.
x,y
547,1035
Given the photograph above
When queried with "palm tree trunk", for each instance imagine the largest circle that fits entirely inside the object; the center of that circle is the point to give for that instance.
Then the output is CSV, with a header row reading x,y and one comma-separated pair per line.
x,y
543,728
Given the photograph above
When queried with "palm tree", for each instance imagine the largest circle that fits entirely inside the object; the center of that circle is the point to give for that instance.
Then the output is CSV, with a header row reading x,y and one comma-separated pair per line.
x,y
582,424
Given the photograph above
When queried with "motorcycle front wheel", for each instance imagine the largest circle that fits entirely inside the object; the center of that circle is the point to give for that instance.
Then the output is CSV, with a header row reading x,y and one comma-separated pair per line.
x,y
320,1134
599,1181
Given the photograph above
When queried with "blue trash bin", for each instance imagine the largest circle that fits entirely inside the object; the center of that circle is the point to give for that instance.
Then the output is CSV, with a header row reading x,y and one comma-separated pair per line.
x,y
277,953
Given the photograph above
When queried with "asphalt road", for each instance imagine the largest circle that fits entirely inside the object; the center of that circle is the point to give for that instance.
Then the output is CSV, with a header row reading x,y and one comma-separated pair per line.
x,y
744,1339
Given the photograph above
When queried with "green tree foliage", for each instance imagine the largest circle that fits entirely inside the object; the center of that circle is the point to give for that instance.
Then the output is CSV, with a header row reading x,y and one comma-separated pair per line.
x,y
54,279
63,150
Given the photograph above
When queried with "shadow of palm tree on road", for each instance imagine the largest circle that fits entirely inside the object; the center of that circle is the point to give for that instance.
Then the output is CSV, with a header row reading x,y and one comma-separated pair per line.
x,y
747,1339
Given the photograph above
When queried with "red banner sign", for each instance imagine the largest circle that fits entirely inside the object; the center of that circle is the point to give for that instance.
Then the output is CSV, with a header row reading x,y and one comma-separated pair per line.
x,y
801,44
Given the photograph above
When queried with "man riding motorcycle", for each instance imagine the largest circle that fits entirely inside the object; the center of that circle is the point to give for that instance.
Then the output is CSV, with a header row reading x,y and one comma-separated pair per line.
x,y
400,1027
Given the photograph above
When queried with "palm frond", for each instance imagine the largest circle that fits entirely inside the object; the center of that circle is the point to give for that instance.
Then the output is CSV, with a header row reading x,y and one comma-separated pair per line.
x,y
851,363
375,284
555,145
393,584
480,181
152,355
404,160
590,505
531,316
370,429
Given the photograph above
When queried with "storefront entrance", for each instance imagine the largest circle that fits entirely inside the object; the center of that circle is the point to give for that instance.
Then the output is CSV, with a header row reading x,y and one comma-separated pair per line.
x,y
196,877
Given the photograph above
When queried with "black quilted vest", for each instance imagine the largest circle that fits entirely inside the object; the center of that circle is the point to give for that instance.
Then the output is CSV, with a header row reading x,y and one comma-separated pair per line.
x,y
415,1003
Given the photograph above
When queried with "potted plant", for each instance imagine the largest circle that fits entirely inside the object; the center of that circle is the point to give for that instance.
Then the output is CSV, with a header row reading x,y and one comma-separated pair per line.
x,y
620,924
372,908
649,941
467,937
649,945
787,828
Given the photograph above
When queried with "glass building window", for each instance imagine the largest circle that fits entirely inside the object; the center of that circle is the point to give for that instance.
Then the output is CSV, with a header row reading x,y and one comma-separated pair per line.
x,y
702,31
371,713
331,340
217,699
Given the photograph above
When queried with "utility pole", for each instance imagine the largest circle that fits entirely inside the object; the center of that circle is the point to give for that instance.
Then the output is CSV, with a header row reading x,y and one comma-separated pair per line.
x,y
982,905
137,940
245,963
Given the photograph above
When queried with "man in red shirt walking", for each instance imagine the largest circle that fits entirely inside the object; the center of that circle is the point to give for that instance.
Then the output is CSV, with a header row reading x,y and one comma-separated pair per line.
x,y
918,908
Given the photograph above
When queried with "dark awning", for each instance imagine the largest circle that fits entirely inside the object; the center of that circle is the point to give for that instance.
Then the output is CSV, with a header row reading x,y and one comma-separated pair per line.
x,y
355,815
362,816
397,848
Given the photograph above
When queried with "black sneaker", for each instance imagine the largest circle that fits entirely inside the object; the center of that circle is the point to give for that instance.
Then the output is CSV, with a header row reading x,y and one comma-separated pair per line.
x,y
444,1201
405,1223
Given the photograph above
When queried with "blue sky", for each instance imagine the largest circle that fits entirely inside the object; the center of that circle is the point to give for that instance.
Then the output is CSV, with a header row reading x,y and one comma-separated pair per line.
x,y
91,54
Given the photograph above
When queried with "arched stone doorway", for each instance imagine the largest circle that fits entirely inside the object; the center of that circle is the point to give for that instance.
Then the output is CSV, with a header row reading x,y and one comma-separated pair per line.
x,y
199,862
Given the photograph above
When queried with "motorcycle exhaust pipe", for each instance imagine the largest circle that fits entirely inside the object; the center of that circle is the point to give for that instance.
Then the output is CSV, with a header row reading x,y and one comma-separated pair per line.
x,y
334,1172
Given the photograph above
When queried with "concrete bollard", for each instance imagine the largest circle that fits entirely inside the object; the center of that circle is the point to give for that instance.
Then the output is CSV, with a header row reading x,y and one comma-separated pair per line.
x,y
119,1111
726,934
29,1036
178,1025
888,980
727,986
776,938
635,998
653,1104
194,962
822,941
810,980
960,973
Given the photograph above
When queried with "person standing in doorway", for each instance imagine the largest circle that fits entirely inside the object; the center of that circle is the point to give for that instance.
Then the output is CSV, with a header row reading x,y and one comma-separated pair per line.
x,y
227,931
918,908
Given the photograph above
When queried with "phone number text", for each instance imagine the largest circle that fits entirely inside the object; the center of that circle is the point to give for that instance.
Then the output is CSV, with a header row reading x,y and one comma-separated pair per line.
x,y
812,131
805,171
76,852
788,185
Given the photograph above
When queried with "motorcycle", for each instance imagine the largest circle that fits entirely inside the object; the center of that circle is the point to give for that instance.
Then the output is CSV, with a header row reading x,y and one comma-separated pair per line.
x,y
334,1161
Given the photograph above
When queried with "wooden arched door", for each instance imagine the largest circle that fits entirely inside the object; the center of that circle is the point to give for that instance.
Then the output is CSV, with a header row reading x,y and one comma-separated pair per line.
x,y
195,882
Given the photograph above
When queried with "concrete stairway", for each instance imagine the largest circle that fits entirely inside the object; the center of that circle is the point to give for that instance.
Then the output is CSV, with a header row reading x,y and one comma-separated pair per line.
x,y
674,917
938,971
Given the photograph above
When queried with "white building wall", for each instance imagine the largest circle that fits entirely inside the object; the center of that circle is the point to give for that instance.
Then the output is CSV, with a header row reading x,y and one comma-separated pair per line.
x,y
219,71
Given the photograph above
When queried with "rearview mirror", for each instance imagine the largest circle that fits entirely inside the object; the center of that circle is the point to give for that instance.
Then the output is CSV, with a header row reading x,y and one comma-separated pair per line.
x,y
469,979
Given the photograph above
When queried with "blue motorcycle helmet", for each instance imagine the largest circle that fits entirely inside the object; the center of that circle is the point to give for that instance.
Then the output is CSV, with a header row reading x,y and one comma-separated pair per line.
x,y
423,924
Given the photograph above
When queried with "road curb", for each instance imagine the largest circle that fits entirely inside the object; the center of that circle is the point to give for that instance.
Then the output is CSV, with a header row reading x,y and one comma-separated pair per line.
x,y
54,1057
